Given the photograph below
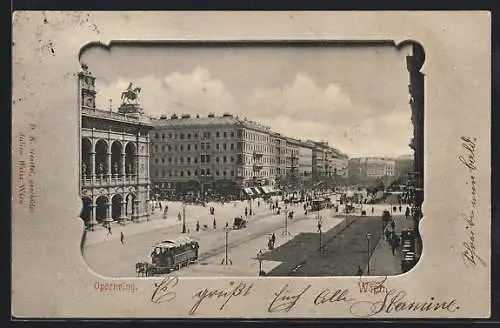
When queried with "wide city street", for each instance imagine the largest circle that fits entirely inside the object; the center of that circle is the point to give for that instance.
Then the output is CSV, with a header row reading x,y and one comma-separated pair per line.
x,y
297,247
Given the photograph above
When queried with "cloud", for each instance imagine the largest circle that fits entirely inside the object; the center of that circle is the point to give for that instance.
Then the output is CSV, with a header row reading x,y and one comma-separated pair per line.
x,y
303,99
192,93
301,109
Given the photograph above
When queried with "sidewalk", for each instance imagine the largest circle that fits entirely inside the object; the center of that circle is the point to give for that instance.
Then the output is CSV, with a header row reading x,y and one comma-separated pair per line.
x,y
382,262
223,213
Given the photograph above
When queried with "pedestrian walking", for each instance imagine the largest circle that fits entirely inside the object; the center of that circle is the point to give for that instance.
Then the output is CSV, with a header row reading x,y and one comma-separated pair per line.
x,y
273,238
393,225
258,203
400,208
407,212
393,246
246,211
373,209
215,224
109,230
122,238
179,216
227,225
197,225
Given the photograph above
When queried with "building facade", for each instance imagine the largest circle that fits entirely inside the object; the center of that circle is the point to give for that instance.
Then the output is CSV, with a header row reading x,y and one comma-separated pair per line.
x,y
211,155
368,169
305,159
404,166
114,159
224,155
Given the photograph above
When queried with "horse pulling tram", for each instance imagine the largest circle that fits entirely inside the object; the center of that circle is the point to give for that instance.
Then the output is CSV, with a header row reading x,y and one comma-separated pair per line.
x,y
169,255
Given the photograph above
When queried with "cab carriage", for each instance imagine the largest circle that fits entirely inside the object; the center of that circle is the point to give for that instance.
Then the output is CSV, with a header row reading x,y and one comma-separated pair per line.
x,y
170,255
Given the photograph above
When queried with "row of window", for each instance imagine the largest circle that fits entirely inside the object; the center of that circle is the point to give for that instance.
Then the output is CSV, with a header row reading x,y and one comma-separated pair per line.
x,y
195,135
254,136
225,159
194,147
189,173
224,134
203,159
218,173
223,146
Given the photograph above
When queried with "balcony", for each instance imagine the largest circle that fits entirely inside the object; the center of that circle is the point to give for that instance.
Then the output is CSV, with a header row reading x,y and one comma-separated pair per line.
x,y
113,180
257,167
258,153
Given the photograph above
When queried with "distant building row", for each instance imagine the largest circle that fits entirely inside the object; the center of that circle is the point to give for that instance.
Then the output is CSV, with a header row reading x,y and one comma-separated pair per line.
x,y
365,169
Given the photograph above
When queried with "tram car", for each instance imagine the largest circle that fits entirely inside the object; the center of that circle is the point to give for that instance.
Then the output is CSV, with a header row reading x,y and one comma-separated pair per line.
x,y
170,255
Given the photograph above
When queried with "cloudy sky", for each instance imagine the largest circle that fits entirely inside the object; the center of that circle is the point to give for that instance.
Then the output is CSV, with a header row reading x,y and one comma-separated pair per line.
x,y
355,98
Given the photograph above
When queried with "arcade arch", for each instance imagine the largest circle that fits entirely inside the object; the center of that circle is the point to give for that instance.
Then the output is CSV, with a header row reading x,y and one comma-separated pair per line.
x,y
130,154
101,209
101,154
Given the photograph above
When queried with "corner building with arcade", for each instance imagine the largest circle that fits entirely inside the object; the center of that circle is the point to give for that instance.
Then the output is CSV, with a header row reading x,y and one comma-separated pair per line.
x,y
114,159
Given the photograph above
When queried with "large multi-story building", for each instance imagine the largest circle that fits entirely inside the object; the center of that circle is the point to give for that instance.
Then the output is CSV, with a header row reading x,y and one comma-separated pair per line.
x,y
114,159
328,161
367,169
305,159
213,154
404,165
227,155
292,157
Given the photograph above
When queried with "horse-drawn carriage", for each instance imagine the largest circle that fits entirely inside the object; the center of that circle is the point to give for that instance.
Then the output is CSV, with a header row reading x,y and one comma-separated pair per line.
x,y
169,255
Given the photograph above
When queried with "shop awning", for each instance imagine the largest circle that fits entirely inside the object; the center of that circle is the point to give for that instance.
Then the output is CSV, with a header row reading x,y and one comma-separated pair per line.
x,y
248,191
257,191
266,190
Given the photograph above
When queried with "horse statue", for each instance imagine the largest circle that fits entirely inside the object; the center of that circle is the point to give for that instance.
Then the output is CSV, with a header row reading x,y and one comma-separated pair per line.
x,y
131,95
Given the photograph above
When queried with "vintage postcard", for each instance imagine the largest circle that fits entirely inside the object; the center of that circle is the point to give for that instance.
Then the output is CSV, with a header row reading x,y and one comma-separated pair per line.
x,y
251,165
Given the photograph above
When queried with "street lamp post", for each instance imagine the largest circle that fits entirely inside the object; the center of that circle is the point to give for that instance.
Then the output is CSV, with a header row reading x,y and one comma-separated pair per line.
x,y
184,218
250,201
260,258
320,233
227,260
286,221
346,223
368,237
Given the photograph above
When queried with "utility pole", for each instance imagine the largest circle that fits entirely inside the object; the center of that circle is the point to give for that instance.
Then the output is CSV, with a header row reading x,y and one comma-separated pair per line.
x,y
184,218
227,260
368,236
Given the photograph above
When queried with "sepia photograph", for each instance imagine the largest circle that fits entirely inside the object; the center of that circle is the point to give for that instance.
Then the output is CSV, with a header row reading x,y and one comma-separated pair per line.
x,y
241,159
258,165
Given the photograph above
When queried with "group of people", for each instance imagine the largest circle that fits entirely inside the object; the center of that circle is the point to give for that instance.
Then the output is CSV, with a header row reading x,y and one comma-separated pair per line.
x,y
271,242
110,232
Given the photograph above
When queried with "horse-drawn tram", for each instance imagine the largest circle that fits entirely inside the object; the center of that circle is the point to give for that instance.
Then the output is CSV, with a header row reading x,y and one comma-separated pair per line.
x,y
169,255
